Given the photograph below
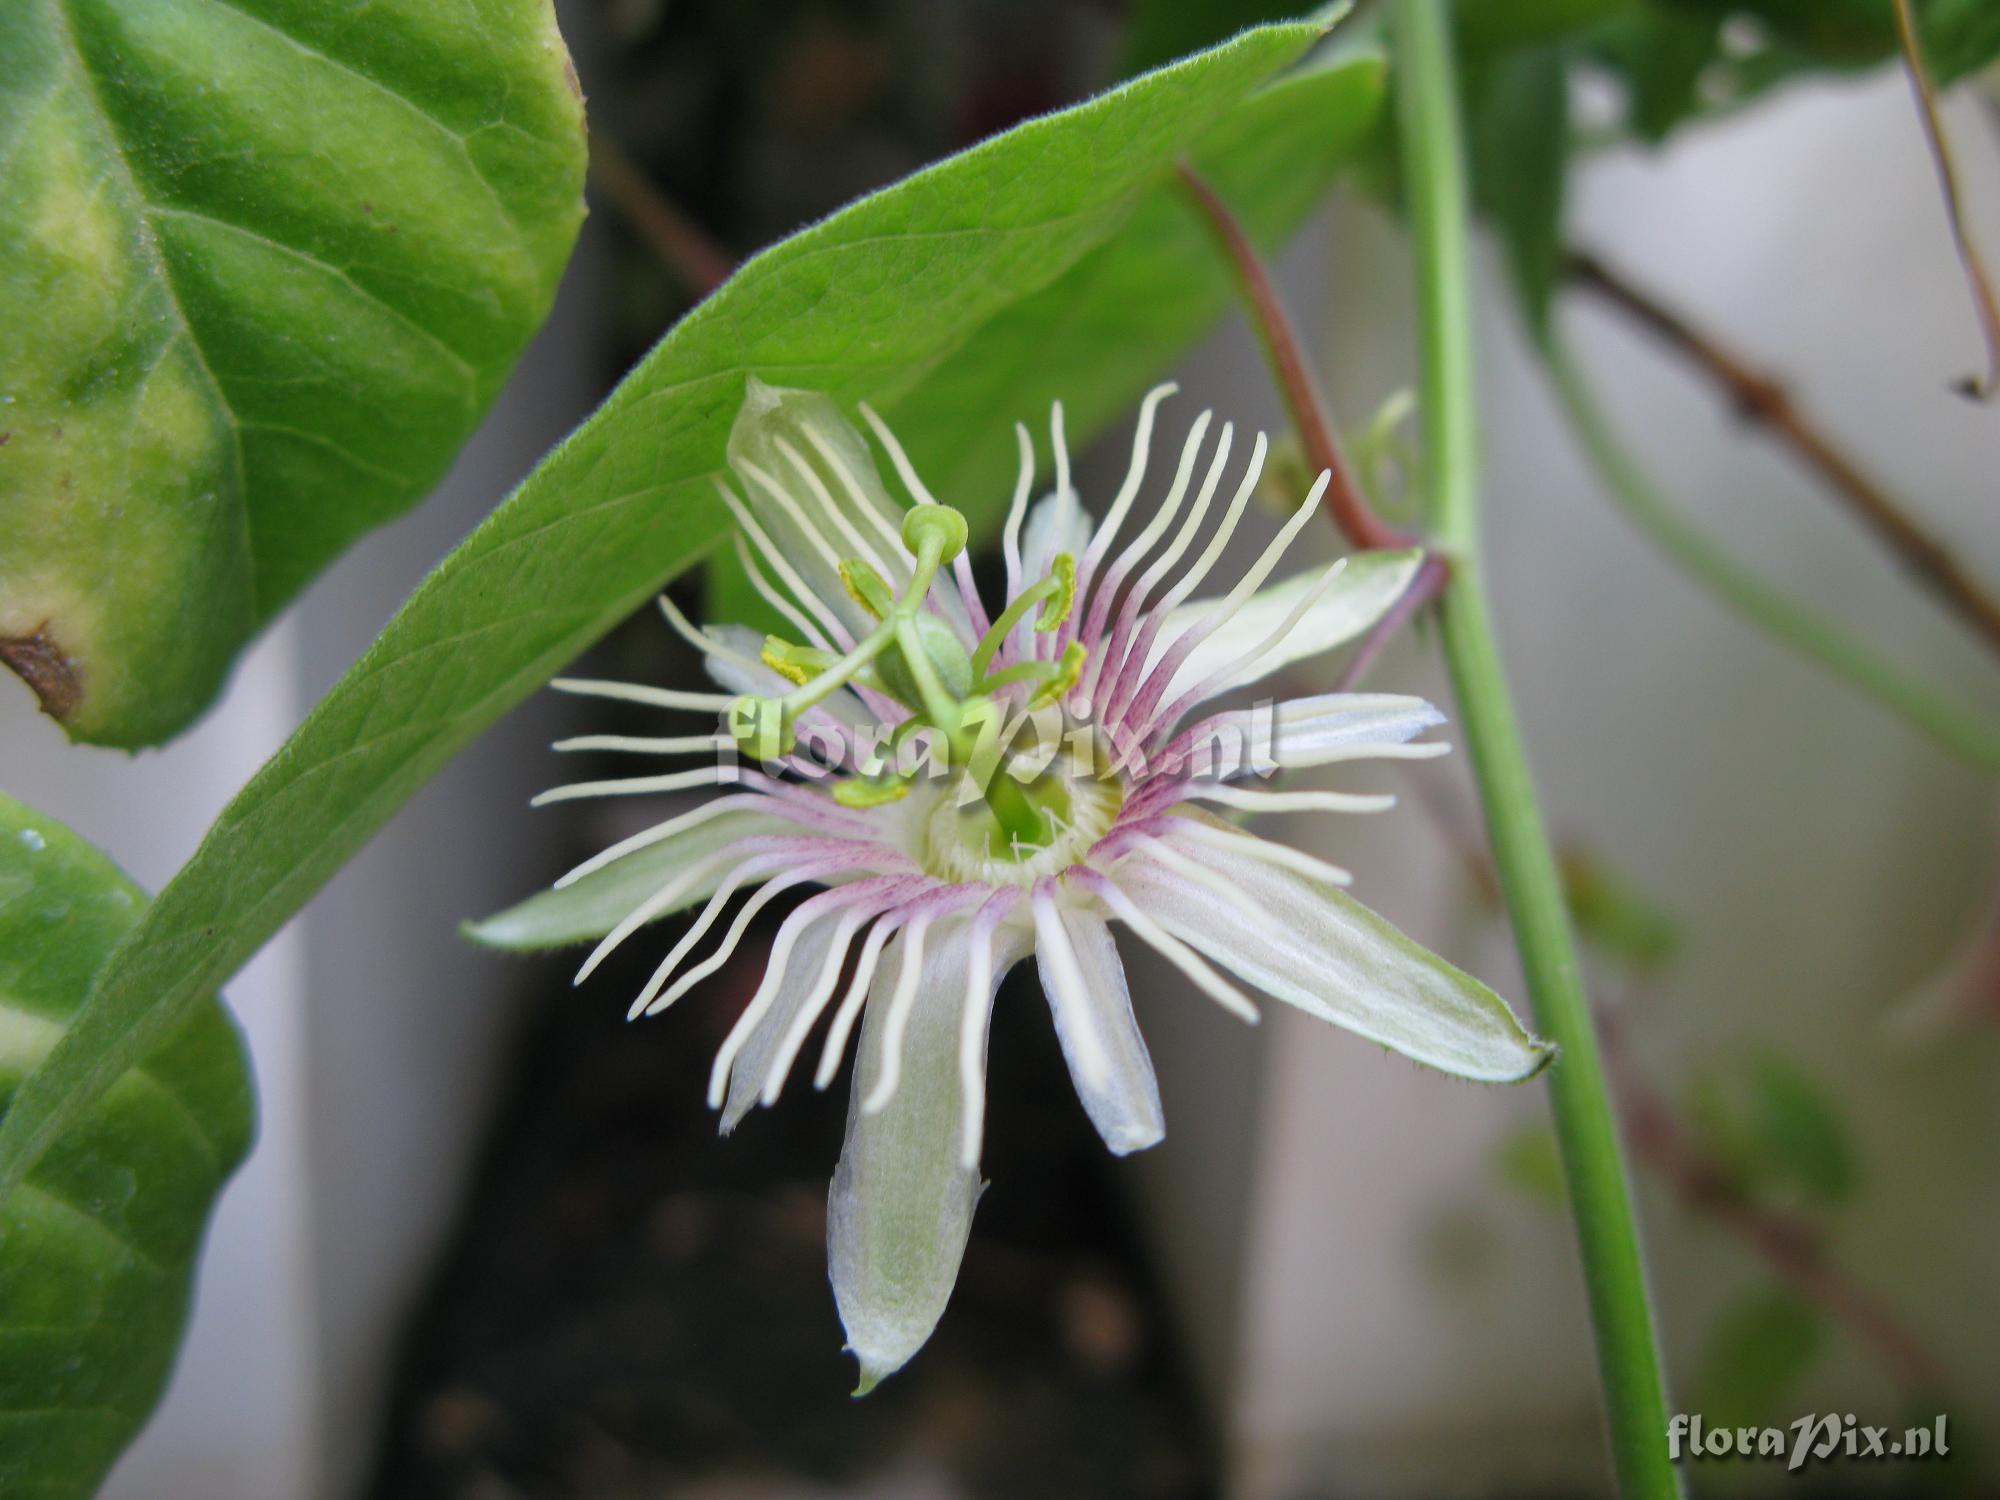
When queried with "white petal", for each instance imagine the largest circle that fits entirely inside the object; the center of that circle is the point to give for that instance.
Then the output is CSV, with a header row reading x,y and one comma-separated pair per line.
x,y
1361,595
1305,732
1056,523
901,1205
812,424
1107,1057
1318,949
588,908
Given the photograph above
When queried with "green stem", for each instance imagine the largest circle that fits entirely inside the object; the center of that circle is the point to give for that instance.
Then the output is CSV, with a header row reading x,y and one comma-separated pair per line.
x,y
1593,1167
1968,734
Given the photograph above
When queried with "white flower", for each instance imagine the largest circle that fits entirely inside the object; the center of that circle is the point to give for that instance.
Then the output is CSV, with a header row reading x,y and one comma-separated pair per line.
x,y
1074,793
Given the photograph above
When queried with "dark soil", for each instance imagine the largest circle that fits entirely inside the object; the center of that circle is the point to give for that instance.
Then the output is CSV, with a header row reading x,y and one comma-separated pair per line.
x,y
636,1308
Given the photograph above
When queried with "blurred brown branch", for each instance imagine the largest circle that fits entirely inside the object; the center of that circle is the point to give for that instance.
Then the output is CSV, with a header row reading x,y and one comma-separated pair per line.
x,y
683,245
1764,400
1790,1244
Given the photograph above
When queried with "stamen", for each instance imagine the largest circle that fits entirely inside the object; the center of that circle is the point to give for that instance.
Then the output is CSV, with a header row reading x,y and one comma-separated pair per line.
x,y
1055,593
867,587
858,793
1067,671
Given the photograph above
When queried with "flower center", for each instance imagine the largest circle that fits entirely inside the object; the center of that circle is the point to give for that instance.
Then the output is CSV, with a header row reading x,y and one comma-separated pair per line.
x,y
964,842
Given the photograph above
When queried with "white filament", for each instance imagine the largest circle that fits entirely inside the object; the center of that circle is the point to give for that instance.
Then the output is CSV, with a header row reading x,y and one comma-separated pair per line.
x,y
1017,509
1274,802
809,631
760,898
1135,474
859,544
851,1002
889,1071
652,697
905,470
787,574
1177,953
1239,841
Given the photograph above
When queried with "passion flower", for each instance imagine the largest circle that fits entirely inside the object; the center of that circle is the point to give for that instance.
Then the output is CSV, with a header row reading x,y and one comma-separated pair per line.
x,y
972,786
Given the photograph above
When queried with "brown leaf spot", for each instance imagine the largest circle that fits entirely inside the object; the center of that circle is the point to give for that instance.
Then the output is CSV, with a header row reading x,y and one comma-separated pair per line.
x,y
6,438
38,661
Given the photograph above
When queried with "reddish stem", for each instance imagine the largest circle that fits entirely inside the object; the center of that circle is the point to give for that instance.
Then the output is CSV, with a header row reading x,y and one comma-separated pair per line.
x,y
1344,503
675,238
1984,301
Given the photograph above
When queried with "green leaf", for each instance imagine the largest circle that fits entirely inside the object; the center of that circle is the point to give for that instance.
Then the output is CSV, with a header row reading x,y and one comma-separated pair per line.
x,y
859,305
1798,1131
1775,1130
1486,27
1960,36
1529,1160
1661,54
263,266
1613,916
1519,128
1100,333
98,1245
1758,1350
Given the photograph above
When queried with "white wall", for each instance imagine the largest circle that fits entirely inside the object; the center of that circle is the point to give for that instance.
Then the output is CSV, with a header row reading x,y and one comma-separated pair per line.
x,y
1401,1324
